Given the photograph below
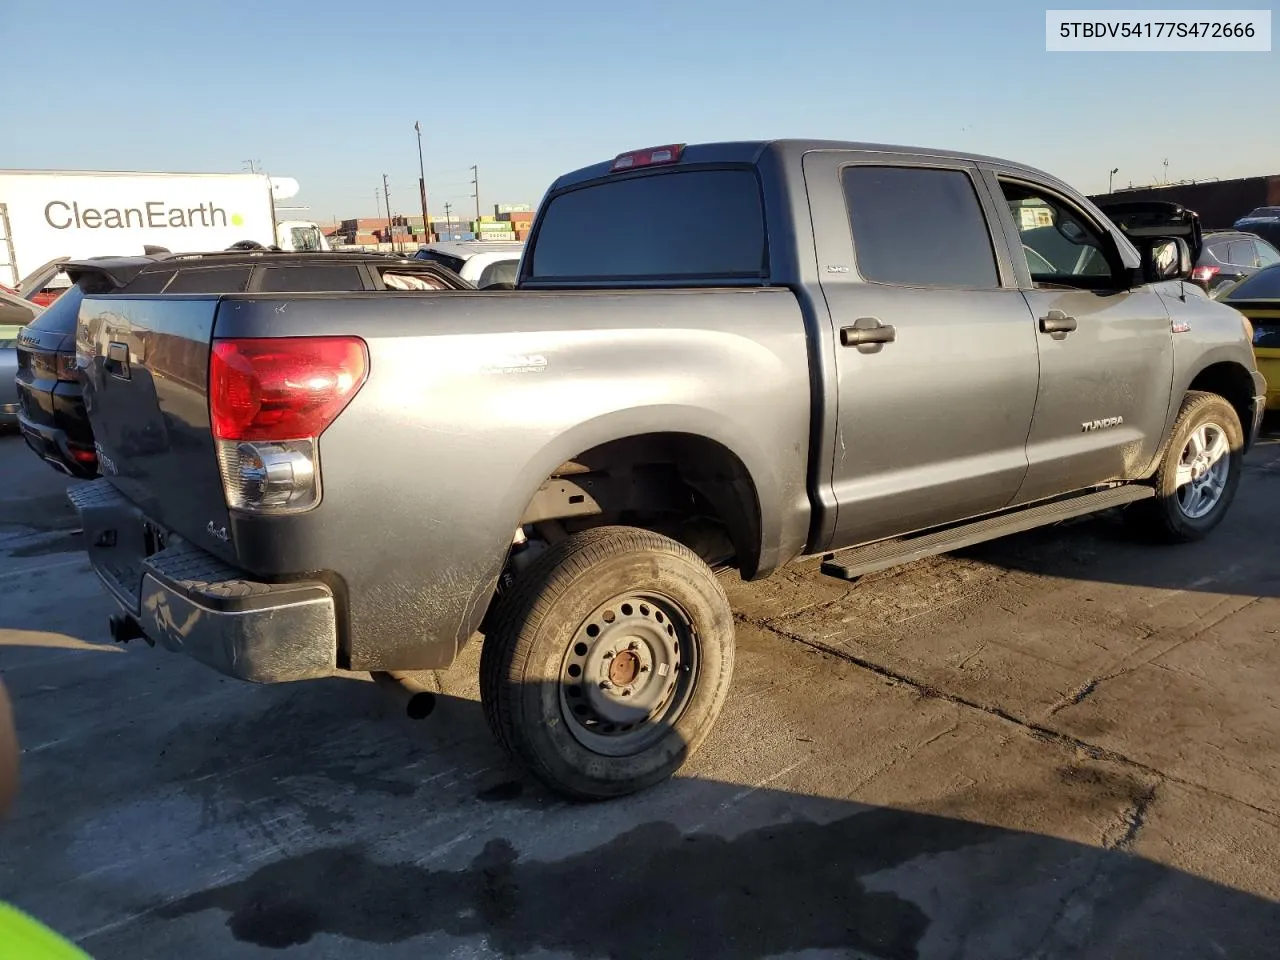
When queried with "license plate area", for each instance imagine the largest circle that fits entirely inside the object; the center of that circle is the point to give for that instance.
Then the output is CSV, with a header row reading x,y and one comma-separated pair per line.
x,y
120,539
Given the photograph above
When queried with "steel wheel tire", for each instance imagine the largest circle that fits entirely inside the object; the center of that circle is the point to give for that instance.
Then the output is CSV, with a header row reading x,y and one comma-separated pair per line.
x,y
1198,474
608,662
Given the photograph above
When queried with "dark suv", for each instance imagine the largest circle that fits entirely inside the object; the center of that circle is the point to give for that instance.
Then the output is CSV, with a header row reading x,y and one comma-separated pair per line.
x,y
51,413
1231,255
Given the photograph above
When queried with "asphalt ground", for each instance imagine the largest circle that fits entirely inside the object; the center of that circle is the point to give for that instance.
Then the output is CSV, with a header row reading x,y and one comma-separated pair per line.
x,y
1063,744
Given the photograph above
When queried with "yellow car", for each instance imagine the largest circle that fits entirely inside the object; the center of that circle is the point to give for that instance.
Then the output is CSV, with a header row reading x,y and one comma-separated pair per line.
x,y
1258,298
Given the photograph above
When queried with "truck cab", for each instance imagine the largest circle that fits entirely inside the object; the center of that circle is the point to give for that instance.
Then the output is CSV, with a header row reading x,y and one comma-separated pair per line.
x,y
300,236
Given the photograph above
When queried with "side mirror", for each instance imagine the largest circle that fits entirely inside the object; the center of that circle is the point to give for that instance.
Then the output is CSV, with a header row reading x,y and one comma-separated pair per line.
x,y
1166,258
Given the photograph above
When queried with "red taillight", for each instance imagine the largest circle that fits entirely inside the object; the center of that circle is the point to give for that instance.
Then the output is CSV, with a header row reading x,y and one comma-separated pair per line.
x,y
83,456
1204,274
670,153
283,388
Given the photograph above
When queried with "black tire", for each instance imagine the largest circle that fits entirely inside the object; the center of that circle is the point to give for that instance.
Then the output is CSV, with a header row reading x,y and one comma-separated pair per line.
x,y
606,590
1165,517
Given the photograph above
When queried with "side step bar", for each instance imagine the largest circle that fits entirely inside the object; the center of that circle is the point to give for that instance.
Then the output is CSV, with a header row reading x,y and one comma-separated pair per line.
x,y
858,561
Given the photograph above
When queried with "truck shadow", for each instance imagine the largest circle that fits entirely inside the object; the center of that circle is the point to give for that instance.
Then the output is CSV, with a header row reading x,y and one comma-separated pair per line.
x,y
1236,557
693,868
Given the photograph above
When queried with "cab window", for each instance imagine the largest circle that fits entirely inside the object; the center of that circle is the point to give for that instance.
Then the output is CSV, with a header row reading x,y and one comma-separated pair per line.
x,y
1062,248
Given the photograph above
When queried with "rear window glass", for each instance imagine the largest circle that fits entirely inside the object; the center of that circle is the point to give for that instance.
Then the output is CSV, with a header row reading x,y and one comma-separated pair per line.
x,y
304,278
60,317
1263,285
210,280
691,224
153,282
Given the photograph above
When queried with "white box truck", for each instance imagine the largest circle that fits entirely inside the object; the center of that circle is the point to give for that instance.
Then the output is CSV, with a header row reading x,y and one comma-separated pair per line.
x,y
50,214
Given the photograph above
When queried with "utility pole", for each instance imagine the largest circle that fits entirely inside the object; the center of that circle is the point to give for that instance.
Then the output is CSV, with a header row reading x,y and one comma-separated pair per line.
x,y
422,183
475,182
1111,177
1166,170
386,196
448,218
253,165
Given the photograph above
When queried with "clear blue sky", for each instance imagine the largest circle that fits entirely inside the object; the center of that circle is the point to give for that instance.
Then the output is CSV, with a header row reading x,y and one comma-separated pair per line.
x,y
328,92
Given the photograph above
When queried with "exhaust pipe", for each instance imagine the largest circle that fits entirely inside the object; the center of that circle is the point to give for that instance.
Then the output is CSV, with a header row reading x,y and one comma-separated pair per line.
x,y
415,697
123,628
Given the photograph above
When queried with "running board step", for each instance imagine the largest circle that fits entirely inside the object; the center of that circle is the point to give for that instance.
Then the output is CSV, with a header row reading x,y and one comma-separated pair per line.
x,y
859,561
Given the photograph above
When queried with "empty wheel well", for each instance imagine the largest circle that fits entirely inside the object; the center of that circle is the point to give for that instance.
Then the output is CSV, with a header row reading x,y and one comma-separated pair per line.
x,y
689,488
1230,381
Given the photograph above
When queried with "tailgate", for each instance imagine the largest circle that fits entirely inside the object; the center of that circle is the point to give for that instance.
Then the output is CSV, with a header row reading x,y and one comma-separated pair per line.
x,y
145,363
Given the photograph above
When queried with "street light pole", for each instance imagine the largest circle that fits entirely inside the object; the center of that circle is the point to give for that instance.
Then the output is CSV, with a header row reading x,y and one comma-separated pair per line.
x,y
1111,177
422,184
475,182
386,196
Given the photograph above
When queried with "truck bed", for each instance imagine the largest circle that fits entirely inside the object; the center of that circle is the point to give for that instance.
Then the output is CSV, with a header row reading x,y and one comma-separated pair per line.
x,y
472,401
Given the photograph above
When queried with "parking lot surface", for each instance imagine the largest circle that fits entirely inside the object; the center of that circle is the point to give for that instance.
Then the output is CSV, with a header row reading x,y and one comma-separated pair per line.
x,y
1064,744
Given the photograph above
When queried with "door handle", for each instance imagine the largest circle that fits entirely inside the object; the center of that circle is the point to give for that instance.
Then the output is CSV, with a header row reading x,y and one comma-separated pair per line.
x,y
867,331
1055,321
117,361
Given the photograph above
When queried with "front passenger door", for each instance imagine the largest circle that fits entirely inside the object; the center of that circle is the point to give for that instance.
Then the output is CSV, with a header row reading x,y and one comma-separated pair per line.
x,y
1106,349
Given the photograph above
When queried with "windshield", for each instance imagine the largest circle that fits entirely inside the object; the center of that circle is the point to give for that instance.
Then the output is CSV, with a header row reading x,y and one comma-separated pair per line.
x,y
305,238
453,263
694,224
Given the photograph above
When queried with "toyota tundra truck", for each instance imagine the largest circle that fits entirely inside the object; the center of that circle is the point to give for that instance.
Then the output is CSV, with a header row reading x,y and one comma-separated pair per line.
x,y
853,353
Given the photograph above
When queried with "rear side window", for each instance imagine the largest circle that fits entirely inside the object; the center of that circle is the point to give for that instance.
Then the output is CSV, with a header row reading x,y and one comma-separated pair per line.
x,y
1218,251
1240,253
691,224
210,280
918,227
308,277
1267,254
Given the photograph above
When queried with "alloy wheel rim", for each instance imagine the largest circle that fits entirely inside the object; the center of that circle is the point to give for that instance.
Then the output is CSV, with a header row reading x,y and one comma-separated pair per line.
x,y
1203,469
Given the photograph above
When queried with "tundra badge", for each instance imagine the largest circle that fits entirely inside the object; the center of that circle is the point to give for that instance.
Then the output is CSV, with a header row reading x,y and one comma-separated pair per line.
x,y
1103,424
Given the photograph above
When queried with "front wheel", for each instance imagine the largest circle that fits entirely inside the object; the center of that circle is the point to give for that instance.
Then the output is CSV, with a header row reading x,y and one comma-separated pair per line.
x,y
1198,475
608,662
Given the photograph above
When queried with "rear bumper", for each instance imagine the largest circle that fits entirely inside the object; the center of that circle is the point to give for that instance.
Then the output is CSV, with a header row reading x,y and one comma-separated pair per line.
x,y
189,601
50,444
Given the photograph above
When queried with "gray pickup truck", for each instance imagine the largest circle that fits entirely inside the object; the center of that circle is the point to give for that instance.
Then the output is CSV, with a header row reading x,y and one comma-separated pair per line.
x,y
787,350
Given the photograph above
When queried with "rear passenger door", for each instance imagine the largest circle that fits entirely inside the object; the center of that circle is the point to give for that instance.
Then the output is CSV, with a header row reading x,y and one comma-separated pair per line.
x,y
935,347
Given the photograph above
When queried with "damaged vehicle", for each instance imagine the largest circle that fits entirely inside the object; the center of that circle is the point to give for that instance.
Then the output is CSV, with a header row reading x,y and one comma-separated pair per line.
x,y
855,353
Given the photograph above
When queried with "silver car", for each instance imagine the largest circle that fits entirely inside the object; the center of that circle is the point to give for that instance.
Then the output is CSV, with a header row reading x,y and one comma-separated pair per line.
x,y
15,313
